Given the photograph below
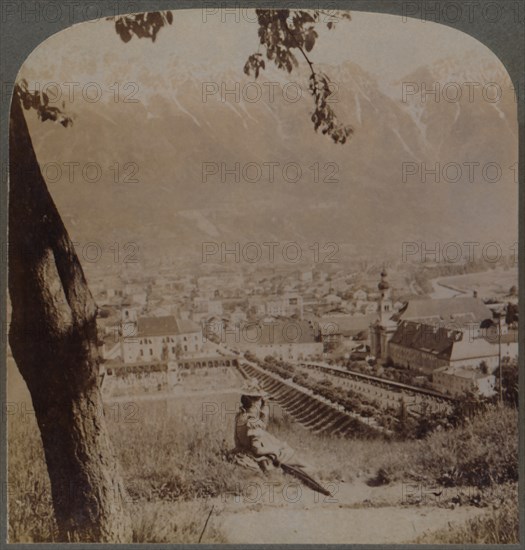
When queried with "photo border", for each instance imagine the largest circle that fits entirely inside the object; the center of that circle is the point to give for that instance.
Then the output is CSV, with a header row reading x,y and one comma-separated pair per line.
x,y
505,37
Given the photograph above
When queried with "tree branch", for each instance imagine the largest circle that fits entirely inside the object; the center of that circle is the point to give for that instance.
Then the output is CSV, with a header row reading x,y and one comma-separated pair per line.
x,y
299,47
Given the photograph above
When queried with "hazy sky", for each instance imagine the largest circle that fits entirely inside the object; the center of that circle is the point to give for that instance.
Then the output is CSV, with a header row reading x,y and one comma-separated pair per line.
x,y
384,45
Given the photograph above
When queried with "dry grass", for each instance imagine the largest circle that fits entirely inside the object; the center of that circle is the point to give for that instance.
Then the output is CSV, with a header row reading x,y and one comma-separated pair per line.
x,y
498,526
174,523
30,511
179,453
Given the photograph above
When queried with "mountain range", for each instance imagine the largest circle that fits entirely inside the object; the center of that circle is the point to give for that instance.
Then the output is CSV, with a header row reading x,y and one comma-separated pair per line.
x,y
353,194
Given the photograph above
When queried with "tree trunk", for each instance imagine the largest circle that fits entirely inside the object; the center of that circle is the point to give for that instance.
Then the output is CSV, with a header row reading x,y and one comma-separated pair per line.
x,y
53,338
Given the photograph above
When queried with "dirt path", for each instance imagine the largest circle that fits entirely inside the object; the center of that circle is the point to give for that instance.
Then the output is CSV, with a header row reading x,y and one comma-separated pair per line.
x,y
282,513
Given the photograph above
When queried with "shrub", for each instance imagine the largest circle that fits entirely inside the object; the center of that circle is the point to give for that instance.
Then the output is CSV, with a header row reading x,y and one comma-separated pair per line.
x,y
482,453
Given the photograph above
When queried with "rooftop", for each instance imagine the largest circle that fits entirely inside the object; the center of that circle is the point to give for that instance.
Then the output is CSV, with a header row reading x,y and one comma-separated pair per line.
x,y
346,324
164,326
427,338
446,309
273,332
443,342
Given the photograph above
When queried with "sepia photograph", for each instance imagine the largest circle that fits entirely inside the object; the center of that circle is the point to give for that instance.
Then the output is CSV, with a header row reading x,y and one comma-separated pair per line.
x,y
262,270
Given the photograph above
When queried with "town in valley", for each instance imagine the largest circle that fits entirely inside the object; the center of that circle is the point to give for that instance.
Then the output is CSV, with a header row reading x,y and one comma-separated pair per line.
x,y
360,340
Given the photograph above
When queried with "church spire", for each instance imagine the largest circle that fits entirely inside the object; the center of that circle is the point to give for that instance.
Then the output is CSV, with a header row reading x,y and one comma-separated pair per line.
x,y
385,302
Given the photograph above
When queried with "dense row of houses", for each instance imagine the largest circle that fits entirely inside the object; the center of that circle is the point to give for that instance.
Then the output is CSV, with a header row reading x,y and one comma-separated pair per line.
x,y
268,292
286,339
171,319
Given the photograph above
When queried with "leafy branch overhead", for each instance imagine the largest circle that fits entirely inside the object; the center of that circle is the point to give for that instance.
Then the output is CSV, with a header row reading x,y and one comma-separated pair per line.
x,y
283,31
143,25
39,101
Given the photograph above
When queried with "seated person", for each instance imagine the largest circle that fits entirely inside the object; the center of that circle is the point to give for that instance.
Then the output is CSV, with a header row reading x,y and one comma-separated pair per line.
x,y
256,448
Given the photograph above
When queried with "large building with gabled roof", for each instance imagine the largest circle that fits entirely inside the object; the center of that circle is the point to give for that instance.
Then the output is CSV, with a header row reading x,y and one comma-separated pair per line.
x,y
431,333
428,347
161,339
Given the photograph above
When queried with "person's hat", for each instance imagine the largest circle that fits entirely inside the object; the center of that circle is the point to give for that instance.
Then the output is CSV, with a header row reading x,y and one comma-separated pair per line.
x,y
253,389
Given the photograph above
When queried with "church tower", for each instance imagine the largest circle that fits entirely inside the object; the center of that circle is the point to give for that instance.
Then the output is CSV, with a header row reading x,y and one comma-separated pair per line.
x,y
382,330
385,299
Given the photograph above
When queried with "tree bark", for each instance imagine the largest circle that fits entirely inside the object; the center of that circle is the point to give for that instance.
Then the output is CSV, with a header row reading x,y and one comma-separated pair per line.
x,y
53,337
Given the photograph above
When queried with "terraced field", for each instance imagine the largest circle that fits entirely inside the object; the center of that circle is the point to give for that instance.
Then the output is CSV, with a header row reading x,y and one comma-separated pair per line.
x,y
386,393
311,411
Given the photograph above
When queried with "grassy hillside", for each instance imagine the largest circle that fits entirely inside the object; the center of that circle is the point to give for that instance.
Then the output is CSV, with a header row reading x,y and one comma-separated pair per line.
x,y
173,455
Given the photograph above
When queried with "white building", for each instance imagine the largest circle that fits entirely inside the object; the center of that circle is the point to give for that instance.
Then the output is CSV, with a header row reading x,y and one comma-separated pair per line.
x,y
306,277
287,340
284,305
457,380
161,339
130,313
237,316
361,295
332,300
204,308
